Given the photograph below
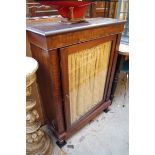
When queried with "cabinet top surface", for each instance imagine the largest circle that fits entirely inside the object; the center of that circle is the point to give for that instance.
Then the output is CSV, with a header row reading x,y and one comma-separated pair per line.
x,y
54,25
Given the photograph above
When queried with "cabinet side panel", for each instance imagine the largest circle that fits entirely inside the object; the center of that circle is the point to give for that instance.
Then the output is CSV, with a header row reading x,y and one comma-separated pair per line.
x,y
57,86
47,86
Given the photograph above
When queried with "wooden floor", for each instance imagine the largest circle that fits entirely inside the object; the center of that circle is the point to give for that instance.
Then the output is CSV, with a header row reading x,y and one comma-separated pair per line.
x,y
107,134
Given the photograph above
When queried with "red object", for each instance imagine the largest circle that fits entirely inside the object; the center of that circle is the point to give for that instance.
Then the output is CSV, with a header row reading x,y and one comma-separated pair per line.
x,y
63,7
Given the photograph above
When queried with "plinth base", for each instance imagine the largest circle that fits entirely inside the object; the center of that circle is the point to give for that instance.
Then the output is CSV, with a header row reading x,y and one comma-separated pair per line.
x,y
61,144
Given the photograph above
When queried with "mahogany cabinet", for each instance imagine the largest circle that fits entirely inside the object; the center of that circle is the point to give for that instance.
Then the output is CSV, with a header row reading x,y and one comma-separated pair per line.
x,y
76,69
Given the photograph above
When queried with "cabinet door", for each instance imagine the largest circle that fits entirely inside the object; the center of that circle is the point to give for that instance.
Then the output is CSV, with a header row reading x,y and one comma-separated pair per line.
x,y
85,69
